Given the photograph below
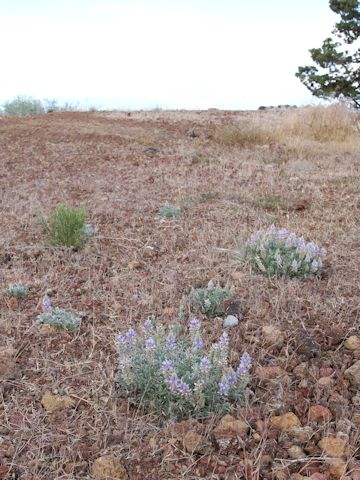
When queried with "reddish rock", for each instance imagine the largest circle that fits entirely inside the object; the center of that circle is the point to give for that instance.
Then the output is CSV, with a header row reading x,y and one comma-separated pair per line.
x,y
273,335
285,422
352,343
336,467
353,374
319,413
333,446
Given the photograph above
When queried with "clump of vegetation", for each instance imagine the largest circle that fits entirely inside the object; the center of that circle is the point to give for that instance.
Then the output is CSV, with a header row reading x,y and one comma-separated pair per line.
x,y
246,134
272,203
23,106
59,318
209,300
17,290
174,375
276,252
323,124
169,211
66,226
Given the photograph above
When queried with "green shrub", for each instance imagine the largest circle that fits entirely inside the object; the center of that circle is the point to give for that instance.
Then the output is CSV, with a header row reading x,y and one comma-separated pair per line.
x,y
169,211
17,290
59,318
172,374
22,106
66,226
275,252
209,300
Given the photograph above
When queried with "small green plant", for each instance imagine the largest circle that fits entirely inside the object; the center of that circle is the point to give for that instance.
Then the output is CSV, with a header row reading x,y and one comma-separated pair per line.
x,y
209,300
272,203
59,318
169,211
66,226
276,252
22,106
173,374
17,290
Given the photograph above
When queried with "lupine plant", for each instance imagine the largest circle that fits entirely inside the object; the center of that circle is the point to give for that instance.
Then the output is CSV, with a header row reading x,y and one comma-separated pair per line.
x,y
17,290
276,252
173,374
57,317
169,211
209,300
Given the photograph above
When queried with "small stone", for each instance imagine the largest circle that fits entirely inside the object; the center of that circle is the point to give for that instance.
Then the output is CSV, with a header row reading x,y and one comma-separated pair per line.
x,y
325,382
150,251
319,413
301,370
356,419
352,343
193,442
230,321
7,362
108,468
54,403
228,422
301,434
285,422
296,452
318,476
298,476
333,446
273,335
134,265
355,474
353,374
337,467
355,400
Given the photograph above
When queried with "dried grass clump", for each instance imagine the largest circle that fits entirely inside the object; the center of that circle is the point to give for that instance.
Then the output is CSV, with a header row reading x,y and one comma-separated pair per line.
x,y
335,123
246,134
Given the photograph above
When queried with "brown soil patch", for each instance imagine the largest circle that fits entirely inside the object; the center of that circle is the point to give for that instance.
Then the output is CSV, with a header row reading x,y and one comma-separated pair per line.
x,y
99,160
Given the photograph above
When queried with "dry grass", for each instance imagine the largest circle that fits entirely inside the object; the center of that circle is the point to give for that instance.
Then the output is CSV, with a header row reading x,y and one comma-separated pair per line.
x,y
91,160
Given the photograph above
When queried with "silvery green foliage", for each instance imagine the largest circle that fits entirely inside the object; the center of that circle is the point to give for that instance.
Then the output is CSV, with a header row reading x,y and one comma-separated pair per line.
x,y
59,318
169,211
89,230
210,300
276,252
17,290
173,374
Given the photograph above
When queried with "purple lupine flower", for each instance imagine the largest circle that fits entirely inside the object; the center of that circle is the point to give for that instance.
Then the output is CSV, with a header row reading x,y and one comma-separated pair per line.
x,y
281,234
167,366
222,343
46,304
197,342
177,385
194,325
120,338
170,341
147,326
205,364
227,383
150,343
130,335
224,340
244,365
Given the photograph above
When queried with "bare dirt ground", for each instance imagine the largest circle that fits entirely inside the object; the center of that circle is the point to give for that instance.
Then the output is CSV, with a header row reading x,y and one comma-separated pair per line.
x,y
226,191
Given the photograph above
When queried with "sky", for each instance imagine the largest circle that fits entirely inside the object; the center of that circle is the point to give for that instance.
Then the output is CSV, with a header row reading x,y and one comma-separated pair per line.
x,y
171,54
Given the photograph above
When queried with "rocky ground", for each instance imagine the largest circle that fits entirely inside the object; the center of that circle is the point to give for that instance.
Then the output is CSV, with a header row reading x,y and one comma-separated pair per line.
x,y
60,415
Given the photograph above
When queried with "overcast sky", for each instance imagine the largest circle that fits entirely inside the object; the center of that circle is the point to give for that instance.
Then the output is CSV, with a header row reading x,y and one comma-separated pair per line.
x,y
231,54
